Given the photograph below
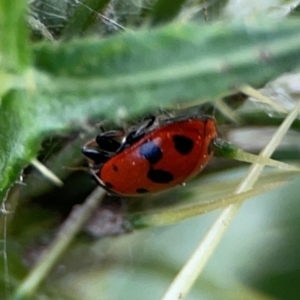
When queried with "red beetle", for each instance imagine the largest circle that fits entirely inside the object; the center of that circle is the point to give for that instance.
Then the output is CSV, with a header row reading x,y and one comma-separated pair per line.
x,y
159,154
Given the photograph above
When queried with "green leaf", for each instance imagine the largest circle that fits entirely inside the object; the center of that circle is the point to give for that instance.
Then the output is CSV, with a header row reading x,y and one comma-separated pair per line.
x,y
14,54
146,69
131,73
16,147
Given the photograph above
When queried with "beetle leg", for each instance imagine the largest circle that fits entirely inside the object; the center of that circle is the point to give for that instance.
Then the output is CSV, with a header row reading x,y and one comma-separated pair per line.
x,y
136,135
107,140
96,156
90,143
150,122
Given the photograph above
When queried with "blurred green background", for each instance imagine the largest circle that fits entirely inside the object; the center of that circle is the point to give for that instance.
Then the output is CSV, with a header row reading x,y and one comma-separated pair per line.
x,y
66,66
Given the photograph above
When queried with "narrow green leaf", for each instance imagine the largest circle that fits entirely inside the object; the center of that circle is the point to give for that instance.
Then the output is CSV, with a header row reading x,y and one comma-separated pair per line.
x,y
150,68
163,218
14,52
227,150
166,10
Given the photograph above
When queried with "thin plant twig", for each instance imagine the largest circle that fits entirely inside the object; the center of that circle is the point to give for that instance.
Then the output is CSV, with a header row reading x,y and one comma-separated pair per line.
x,y
71,227
193,267
5,212
46,172
227,111
251,92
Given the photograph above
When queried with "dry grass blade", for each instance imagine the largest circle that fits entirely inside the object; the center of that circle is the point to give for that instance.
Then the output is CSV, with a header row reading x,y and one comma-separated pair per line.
x,y
251,92
163,218
227,111
191,270
46,172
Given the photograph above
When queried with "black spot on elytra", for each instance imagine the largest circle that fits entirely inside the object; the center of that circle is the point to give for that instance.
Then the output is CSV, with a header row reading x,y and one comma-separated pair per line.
x,y
160,176
151,152
115,168
211,146
183,144
142,191
108,185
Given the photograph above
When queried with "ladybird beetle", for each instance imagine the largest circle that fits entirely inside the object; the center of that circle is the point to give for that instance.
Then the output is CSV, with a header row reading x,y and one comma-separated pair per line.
x,y
156,155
